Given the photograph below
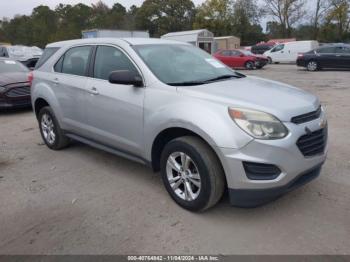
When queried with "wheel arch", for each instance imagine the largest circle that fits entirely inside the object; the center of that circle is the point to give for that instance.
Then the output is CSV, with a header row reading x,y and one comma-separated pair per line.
x,y
170,133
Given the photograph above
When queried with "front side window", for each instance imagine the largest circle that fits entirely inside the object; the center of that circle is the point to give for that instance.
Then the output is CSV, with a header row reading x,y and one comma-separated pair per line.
x,y
181,64
278,48
109,59
343,50
76,60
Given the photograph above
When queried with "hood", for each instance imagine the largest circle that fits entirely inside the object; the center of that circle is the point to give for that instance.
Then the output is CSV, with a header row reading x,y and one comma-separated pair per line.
x,y
260,56
278,99
12,78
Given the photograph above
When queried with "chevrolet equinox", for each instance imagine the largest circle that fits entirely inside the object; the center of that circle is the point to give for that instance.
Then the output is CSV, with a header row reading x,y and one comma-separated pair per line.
x,y
174,107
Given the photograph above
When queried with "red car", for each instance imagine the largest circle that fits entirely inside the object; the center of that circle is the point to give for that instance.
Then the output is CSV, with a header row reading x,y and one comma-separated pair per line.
x,y
241,58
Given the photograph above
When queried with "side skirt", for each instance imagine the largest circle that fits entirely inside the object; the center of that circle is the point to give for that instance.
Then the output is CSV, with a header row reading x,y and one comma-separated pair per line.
x,y
108,149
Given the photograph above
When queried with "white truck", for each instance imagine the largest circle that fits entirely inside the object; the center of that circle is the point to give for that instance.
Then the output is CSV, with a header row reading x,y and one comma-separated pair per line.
x,y
288,52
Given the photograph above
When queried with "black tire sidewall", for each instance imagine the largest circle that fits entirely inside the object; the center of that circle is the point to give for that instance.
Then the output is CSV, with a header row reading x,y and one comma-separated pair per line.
x,y
48,110
249,63
204,196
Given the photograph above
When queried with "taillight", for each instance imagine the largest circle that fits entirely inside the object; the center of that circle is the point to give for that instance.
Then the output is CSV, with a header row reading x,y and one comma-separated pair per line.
x,y
300,55
30,78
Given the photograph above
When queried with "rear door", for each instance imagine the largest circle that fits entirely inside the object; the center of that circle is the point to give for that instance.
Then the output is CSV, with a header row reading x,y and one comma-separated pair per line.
x,y
326,57
114,111
69,85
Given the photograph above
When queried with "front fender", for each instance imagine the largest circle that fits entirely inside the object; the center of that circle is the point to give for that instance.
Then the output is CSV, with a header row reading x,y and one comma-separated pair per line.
x,y
209,120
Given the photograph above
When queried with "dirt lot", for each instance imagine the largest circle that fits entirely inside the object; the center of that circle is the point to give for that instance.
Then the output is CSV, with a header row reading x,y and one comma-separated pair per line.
x,y
85,201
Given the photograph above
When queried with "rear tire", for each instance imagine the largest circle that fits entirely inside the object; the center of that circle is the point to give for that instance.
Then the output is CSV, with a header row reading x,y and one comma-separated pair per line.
x,y
189,165
50,130
312,66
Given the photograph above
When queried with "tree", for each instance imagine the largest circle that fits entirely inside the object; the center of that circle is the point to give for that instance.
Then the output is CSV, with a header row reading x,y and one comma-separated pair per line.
x,y
216,16
162,16
286,12
321,6
43,24
245,21
338,17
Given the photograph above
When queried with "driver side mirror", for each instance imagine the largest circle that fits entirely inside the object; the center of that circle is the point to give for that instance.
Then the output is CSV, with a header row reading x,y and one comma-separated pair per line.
x,y
125,77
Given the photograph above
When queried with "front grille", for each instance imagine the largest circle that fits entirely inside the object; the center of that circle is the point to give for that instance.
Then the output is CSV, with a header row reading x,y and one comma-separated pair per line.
x,y
307,117
258,171
314,143
19,91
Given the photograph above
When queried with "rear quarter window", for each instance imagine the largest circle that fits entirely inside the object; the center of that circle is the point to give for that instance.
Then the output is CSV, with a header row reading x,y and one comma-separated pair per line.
x,y
48,52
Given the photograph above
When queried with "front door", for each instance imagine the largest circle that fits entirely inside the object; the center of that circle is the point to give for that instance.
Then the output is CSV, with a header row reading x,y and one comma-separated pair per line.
x,y
115,111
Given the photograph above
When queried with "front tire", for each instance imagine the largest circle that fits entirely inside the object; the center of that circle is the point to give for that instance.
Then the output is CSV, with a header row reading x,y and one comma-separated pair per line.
x,y
249,65
50,130
192,173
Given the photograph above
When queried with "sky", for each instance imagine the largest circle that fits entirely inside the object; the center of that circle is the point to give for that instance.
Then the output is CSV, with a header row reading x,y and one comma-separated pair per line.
x,y
9,8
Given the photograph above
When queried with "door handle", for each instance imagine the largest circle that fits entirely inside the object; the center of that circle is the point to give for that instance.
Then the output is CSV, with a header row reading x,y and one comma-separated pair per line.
x,y
56,81
94,91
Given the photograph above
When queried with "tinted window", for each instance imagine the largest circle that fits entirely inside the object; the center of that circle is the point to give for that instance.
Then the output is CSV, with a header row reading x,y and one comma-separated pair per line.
x,y
109,59
343,50
326,50
48,52
278,48
10,66
58,65
236,53
76,60
226,53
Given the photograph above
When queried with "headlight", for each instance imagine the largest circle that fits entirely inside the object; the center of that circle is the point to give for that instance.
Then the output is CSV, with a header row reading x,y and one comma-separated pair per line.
x,y
258,124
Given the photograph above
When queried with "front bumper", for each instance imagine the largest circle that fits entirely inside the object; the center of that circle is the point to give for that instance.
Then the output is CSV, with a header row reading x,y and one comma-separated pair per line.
x,y
296,169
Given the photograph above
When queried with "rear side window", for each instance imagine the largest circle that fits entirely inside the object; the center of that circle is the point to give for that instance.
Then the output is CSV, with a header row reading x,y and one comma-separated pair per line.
x,y
226,53
75,61
48,52
109,59
326,50
343,50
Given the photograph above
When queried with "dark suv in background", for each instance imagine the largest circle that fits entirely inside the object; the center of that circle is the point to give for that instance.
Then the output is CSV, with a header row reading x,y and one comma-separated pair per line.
x,y
330,56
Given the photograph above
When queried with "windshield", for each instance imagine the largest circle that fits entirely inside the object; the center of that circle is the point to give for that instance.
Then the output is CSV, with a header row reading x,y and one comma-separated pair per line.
x,y
183,64
10,66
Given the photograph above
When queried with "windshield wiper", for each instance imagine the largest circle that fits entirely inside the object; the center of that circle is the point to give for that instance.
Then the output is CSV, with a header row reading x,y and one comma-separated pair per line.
x,y
223,77
188,83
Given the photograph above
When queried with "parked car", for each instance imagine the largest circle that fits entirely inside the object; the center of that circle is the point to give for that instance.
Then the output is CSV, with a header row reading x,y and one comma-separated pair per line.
x,y
203,125
260,49
288,52
332,56
241,58
29,56
14,84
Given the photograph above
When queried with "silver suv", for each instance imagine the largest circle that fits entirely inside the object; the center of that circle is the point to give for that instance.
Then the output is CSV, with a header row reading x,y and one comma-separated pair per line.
x,y
177,109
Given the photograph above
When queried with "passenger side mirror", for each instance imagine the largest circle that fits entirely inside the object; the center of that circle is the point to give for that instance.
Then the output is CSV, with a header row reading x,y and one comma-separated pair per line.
x,y
125,77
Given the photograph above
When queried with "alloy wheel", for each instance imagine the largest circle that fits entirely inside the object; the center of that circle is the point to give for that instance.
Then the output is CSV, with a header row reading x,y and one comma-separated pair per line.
x,y
47,127
183,176
312,66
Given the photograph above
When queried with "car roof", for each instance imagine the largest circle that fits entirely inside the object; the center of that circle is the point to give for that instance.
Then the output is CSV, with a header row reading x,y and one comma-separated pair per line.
x,y
131,41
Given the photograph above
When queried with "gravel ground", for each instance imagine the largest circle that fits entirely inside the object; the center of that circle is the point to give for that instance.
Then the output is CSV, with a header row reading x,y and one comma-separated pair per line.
x,y
85,201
